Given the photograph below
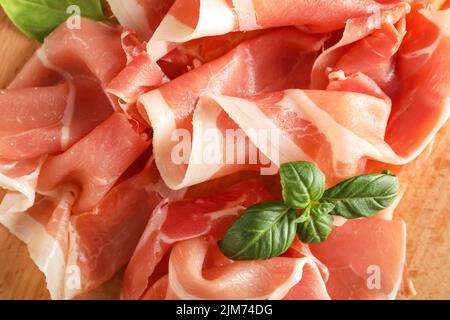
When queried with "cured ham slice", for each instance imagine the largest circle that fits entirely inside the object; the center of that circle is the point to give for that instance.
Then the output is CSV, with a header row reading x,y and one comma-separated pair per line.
x,y
78,253
93,245
18,184
58,96
91,174
52,118
367,45
143,16
59,99
139,76
199,216
425,75
297,109
276,278
103,162
103,239
365,259
192,54
243,72
189,20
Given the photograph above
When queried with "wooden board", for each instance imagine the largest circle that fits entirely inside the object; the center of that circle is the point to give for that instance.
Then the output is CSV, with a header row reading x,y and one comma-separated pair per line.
x,y
425,209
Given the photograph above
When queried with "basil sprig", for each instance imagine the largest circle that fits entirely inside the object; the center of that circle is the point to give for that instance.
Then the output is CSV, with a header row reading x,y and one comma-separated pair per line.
x,y
267,229
37,18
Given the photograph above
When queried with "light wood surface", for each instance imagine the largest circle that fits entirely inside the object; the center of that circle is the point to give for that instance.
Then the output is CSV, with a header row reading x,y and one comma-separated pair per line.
x,y
425,209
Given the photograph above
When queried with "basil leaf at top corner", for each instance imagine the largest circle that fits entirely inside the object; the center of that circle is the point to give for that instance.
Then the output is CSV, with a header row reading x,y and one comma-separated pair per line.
x,y
363,196
317,224
263,231
37,18
302,183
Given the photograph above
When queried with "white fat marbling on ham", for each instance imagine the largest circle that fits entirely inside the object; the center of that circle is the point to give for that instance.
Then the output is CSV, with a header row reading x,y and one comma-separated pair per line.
x,y
246,13
131,14
250,118
44,249
21,190
215,17
70,106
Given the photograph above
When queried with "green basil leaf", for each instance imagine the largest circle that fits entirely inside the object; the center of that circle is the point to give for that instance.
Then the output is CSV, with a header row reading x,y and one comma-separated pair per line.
x,y
303,217
264,231
37,18
362,196
302,183
317,223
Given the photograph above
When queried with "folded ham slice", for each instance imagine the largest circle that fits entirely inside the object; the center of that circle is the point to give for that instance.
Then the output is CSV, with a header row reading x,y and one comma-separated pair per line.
x,y
273,61
189,20
425,75
276,278
92,174
208,215
143,16
139,76
365,259
58,96
79,252
80,227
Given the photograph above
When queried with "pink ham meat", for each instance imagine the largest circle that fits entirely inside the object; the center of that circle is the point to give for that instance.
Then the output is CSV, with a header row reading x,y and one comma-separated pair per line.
x,y
424,72
197,270
91,225
143,16
357,272
140,75
189,20
80,227
91,242
194,278
273,61
200,216
351,120
92,174
79,252
58,96
86,140
365,46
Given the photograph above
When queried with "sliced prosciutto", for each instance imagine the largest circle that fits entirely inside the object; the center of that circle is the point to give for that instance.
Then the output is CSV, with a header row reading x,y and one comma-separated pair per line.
x,y
90,173
352,119
190,277
139,76
143,16
200,216
365,259
58,126
58,96
106,162
189,20
79,252
273,61
55,100
424,71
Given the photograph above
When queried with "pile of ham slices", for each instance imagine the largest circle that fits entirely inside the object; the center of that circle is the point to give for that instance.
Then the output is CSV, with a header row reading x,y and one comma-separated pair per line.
x,y
86,177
